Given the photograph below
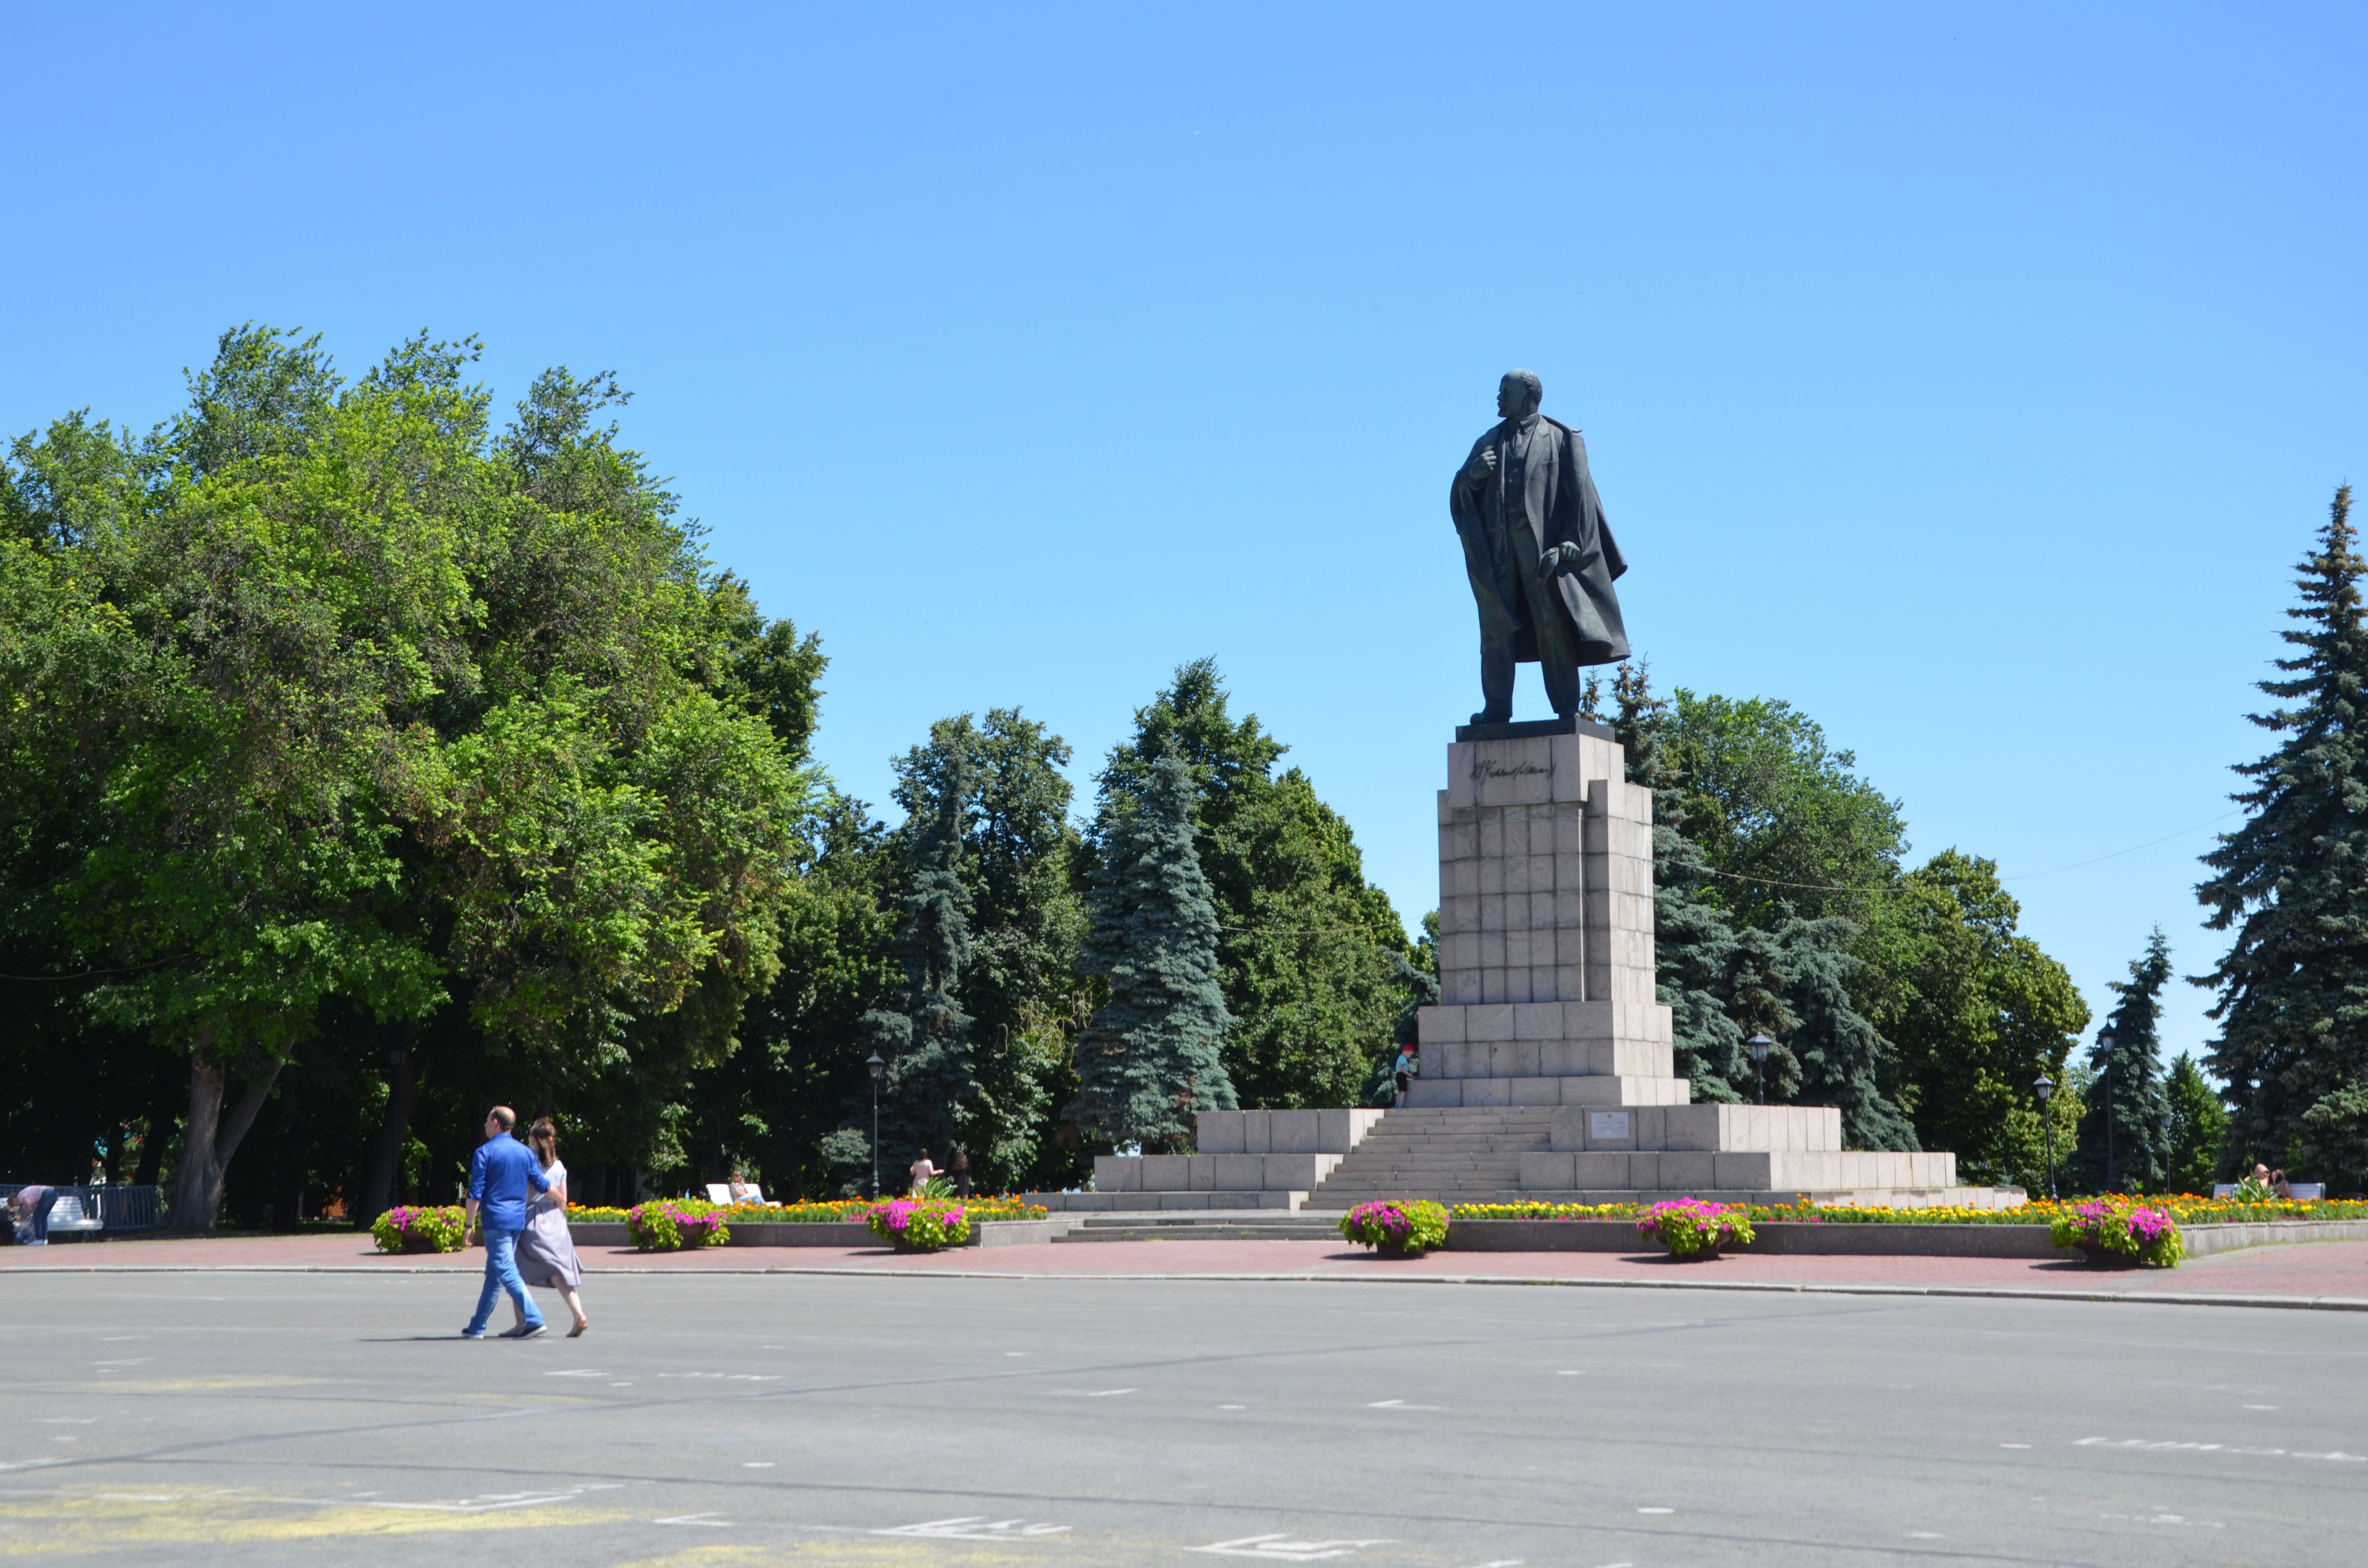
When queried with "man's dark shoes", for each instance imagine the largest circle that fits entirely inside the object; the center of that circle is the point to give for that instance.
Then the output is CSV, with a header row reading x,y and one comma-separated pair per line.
x,y
524,1331
1484,717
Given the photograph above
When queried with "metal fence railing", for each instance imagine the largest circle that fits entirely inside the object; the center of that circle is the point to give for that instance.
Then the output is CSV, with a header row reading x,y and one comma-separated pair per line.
x,y
115,1207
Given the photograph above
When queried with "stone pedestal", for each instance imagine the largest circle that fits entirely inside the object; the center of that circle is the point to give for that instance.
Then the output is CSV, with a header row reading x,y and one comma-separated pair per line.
x,y
1546,920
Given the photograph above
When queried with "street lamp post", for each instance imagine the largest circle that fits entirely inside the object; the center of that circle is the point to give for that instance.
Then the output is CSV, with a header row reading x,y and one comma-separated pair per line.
x,y
2105,1039
877,1067
1757,1045
2045,1089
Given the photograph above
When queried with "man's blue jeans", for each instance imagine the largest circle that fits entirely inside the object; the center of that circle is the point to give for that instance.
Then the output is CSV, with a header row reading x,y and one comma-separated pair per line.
x,y
501,1274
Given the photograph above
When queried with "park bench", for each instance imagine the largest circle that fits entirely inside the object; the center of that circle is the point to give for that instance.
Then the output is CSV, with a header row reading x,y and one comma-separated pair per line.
x,y
2304,1191
721,1192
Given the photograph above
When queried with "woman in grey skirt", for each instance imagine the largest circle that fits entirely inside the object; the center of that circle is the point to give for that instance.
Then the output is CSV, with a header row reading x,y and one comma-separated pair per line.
x,y
546,1253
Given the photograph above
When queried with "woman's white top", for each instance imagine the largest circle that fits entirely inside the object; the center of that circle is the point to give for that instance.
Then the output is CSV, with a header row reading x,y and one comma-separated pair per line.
x,y
557,1176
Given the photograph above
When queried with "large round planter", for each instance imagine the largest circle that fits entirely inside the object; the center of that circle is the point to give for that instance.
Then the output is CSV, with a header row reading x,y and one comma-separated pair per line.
x,y
2102,1256
1707,1255
1398,1249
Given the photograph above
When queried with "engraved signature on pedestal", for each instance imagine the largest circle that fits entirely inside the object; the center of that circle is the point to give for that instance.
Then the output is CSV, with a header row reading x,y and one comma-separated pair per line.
x,y
1484,768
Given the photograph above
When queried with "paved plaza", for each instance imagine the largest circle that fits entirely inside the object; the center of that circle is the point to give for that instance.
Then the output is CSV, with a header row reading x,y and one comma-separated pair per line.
x,y
931,1418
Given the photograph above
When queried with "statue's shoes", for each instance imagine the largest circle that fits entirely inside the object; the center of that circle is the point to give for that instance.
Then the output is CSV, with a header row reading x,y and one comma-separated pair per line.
x,y
1484,717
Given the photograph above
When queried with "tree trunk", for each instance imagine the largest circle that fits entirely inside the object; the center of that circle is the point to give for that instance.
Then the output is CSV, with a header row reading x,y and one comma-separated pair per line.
x,y
212,1137
385,1170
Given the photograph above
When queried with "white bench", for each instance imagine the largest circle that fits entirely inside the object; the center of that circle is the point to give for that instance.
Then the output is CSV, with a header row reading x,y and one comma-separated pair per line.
x,y
2304,1191
721,1192
66,1218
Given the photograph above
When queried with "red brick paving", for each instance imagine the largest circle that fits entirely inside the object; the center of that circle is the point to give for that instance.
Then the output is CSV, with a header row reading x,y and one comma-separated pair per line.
x,y
2324,1269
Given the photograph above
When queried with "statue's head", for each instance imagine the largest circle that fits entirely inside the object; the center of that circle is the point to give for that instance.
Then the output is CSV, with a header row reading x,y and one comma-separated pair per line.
x,y
1519,394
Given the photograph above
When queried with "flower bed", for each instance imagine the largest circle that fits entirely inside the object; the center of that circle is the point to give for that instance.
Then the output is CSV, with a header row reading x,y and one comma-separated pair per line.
x,y
921,1224
1401,1228
851,1211
2122,1227
2185,1208
404,1229
669,1224
1692,1228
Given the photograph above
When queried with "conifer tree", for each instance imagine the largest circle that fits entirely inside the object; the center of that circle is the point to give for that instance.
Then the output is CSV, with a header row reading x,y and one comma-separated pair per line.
x,y
2198,1128
1148,1060
1691,938
2292,883
1842,1057
2131,1075
926,1043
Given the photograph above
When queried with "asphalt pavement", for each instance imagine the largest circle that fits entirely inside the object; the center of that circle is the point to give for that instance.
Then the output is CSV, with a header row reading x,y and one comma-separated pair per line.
x,y
725,1419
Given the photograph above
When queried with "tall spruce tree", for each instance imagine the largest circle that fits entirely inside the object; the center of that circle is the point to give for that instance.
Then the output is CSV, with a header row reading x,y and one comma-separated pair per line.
x,y
1149,1059
2292,882
1844,1059
2199,1126
2130,1077
1691,938
926,1043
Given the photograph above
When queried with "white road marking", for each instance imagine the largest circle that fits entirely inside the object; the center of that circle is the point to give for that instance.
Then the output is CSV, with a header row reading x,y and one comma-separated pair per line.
x,y
577,1372
2014,1445
2261,1407
974,1527
1568,1372
1401,1405
1089,1393
1232,1407
1656,1510
708,1521
756,1464
1283,1549
1923,1535
2146,1446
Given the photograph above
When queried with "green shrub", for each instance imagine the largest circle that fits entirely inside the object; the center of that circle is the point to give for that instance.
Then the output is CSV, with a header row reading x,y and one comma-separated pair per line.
x,y
1415,1225
404,1229
669,1224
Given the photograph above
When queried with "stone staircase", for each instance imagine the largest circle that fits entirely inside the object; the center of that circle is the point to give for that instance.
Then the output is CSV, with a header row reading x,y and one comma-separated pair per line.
x,y
1450,1154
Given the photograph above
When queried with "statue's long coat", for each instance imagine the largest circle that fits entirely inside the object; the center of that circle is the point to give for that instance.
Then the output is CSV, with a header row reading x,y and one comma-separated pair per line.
x,y
1563,509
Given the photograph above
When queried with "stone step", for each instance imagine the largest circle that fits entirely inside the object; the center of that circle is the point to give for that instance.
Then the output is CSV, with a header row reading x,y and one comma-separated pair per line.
x,y
1297,1227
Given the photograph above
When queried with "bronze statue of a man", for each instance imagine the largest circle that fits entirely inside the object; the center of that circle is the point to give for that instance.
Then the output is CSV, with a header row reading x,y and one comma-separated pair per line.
x,y
1539,552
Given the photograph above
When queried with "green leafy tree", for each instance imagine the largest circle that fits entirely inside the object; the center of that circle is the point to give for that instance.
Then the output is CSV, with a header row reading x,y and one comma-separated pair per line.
x,y
2293,988
2129,1078
1795,982
1310,952
1151,1058
1780,814
383,719
2199,1127
1975,1013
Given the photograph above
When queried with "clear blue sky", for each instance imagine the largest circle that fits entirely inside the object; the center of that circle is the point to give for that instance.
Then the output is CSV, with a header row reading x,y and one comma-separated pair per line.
x,y
1971,377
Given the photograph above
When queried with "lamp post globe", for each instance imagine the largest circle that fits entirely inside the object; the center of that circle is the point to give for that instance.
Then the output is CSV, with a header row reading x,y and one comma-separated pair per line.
x,y
1757,1045
876,1067
2045,1088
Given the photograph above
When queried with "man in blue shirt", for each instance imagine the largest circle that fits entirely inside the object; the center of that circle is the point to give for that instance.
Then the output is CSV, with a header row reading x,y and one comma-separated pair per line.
x,y
501,1174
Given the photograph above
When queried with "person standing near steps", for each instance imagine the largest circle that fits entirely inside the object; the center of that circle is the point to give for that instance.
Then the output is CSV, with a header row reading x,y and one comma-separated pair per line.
x,y
502,1176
